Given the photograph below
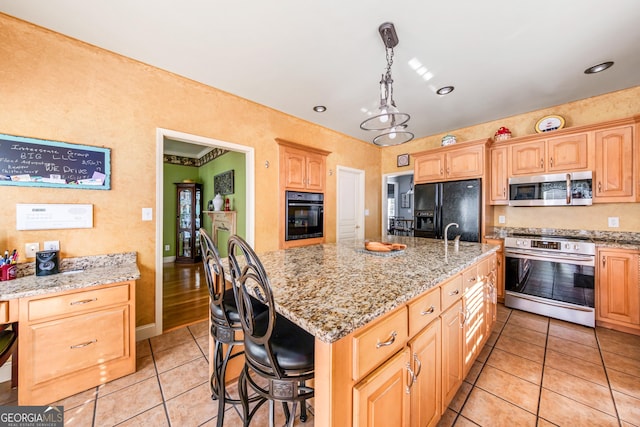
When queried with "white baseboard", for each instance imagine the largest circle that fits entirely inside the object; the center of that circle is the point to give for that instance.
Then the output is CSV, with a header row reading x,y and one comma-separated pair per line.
x,y
5,371
146,331
169,259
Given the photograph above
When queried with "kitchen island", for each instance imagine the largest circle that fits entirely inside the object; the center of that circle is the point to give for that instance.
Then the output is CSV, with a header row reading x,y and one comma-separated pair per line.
x,y
349,298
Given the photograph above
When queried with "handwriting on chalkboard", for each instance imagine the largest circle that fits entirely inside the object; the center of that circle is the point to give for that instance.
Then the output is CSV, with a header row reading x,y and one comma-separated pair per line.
x,y
41,163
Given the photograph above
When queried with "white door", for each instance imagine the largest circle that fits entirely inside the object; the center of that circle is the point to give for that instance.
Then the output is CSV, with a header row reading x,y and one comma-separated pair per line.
x,y
350,204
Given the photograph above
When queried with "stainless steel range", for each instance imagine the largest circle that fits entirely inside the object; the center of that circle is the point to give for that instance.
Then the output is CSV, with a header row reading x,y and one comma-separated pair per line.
x,y
552,276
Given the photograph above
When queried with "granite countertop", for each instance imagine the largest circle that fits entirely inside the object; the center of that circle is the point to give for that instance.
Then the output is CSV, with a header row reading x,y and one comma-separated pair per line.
x,y
76,273
332,289
609,239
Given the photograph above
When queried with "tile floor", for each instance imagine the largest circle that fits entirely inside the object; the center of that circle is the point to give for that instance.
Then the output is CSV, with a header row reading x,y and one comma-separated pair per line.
x,y
533,371
536,371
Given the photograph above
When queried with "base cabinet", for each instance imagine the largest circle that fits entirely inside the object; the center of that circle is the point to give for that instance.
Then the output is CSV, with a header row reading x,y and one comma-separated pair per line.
x,y
73,341
382,398
426,367
618,290
452,352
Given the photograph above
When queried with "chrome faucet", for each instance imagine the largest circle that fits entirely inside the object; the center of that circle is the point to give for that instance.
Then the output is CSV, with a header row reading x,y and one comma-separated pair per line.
x,y
446,229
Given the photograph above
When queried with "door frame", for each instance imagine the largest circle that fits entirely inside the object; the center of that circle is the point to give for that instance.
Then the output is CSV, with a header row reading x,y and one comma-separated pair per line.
x,y
147,331
384,216
360,210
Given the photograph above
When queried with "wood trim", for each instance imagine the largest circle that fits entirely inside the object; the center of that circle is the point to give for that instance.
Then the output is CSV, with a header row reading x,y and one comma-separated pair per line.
x,y
453,147
302,147
568,131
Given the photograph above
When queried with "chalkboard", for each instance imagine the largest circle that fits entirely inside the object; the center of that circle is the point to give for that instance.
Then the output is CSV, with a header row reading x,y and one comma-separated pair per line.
x,y
41,163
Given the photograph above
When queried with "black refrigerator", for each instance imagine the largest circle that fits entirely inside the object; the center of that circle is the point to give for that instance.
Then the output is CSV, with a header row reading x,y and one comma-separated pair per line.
x,y
441,203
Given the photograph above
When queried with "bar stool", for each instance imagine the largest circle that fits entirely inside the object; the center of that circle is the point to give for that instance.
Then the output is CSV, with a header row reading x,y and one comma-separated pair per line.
x,y
279,355
225,323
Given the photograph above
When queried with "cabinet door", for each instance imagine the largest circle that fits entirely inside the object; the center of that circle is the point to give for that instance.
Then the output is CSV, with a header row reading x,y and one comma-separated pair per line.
x,y
465,163
382,398
295,167
451,353
618,288
315,172
613,180
527,158
429,168
499,176
568,153
426,391
474,324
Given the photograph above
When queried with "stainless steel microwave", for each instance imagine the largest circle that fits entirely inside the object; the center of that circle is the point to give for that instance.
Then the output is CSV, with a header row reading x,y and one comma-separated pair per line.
x,y
561,189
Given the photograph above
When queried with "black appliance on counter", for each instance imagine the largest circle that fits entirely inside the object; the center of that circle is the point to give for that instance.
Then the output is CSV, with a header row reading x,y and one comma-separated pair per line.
x,y
305,215
441,203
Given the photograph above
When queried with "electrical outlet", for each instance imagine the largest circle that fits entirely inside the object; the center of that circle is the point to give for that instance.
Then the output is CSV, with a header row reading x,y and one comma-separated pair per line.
x,y
52,245
30,249
501,219
613,221
167,248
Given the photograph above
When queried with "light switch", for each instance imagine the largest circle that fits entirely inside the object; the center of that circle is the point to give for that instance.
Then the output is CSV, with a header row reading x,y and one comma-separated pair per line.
x,y
501,219
613,221
147,214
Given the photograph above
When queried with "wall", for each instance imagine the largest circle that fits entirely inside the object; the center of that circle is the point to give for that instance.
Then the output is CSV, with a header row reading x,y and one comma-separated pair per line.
x,y
54,87
615,105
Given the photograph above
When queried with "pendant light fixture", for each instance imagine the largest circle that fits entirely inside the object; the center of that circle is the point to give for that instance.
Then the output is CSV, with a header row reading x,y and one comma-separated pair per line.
x,y
388,120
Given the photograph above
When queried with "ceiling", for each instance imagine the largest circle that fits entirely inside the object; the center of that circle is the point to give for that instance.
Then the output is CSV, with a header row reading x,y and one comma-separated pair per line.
x,y
504,57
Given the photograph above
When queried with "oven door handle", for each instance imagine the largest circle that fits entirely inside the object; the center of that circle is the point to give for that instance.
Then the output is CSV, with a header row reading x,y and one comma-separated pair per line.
x,y
309,204
570,259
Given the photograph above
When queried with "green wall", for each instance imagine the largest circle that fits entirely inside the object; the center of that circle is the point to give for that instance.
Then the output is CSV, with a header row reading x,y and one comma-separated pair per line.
x,y
204,174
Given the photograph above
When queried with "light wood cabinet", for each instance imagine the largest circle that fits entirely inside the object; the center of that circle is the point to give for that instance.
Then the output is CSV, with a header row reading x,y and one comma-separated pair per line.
x,y
499,180
618,290
302,168
381,399
76,340
426,367
562,154
499,271
473,306
452,352
614,169
450,163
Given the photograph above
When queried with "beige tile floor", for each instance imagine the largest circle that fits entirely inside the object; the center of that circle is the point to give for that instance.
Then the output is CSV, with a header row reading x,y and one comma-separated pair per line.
x,y
533,371
536,371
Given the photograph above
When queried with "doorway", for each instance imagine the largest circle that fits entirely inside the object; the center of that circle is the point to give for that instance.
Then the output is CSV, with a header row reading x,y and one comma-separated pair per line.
x,y
397,200
147,331
350,204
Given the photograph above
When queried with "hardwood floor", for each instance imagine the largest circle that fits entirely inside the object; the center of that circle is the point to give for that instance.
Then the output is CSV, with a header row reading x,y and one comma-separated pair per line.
x,y
185,298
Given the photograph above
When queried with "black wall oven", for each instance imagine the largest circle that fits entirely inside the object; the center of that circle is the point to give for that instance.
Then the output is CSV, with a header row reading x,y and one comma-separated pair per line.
x,y
305,215
552,277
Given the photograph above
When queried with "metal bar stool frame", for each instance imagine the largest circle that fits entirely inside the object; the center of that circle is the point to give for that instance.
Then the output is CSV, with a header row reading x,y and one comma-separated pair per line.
x,y
250,282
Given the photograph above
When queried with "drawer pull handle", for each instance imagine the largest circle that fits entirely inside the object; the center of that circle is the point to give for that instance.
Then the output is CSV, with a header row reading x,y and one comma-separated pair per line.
x,y
84,344
429,311
84,301
472,279
388,342
452,293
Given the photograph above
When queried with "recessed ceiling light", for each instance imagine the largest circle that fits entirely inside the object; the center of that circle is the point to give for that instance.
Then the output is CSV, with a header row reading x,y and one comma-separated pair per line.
x,y
445,90
598,68
319,108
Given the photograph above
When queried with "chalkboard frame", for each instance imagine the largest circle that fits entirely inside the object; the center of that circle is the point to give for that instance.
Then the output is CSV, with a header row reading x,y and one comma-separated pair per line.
x,y
33,144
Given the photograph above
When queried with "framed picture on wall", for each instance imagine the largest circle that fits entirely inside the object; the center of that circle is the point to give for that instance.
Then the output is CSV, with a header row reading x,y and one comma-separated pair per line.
x,y
405,200
223,183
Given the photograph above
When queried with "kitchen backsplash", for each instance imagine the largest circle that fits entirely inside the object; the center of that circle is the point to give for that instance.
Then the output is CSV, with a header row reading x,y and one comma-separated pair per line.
x,y
81,263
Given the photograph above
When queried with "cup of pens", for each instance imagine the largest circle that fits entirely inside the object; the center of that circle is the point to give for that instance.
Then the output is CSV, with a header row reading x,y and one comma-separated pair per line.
x,y
8,266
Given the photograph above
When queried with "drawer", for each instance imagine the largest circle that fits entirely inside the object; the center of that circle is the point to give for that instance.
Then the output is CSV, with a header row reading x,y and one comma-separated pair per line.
x,y
451,291
423,310
66,346
377,342
77,302
469,277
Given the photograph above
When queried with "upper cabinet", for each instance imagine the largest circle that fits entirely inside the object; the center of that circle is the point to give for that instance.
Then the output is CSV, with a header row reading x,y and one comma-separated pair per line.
x,y
452,162
563,154
613,177
609,149
302,168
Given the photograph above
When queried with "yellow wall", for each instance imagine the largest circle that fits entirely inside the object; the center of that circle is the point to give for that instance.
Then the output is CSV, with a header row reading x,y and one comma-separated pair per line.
x,y
57,88
615,105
